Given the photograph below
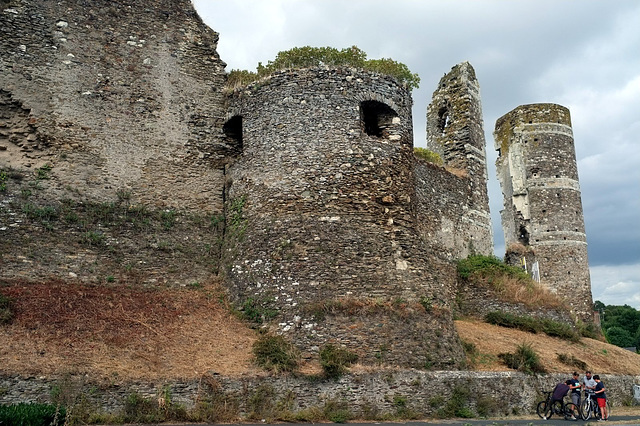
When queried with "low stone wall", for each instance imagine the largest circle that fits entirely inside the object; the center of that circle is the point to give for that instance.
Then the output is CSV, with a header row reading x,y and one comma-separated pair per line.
x,y
477,302
422,392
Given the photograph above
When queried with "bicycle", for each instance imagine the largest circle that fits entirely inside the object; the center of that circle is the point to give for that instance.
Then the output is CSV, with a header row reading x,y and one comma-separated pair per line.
x,y
547,408
589,407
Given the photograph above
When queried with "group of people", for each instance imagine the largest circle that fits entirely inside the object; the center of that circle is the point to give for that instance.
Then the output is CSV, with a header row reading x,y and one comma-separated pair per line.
x,y
589,384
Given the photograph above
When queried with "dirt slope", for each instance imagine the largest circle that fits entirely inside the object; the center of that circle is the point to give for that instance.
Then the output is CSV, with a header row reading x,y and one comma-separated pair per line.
x,y
490,340
123,332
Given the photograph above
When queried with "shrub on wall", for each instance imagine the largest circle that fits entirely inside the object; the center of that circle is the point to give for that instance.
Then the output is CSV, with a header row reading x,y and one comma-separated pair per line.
x,y
334,360
307,57
428,155
510,284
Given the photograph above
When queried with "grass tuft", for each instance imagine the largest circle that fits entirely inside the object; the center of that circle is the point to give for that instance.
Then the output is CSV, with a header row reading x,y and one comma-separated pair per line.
x,y
524,359
275,353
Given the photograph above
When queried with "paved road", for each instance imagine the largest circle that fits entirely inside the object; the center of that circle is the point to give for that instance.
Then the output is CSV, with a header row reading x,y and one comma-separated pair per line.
x,y
615,420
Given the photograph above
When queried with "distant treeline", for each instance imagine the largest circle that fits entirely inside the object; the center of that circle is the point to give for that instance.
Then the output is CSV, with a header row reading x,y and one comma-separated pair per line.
x,y
620,324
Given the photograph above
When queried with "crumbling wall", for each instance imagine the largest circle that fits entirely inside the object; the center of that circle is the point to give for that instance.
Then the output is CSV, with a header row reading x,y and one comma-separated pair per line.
x,y
537,170
117,95
455,131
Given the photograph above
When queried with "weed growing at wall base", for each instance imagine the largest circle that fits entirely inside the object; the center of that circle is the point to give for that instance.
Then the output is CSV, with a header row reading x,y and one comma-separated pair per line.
x,y
334,360
276,354
24,414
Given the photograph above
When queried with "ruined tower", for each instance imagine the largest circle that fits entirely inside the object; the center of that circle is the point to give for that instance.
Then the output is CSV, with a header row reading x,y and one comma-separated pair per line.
x,y
326,185
538,172
455,131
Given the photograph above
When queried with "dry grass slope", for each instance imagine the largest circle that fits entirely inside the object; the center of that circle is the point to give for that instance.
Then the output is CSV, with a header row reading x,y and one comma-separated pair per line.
x,y
118,332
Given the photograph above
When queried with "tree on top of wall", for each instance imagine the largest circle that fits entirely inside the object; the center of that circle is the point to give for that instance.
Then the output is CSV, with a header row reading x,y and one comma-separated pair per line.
x,y
307,56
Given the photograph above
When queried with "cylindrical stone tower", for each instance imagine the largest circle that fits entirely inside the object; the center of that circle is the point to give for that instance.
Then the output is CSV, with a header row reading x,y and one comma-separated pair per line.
x,y
538,172
327,192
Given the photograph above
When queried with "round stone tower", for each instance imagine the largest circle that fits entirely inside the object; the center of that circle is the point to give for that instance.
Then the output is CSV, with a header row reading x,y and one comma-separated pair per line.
x,y
538,173
324,196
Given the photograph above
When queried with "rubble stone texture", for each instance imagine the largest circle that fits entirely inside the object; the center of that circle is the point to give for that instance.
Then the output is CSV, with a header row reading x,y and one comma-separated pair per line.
x,y
538,173
331,221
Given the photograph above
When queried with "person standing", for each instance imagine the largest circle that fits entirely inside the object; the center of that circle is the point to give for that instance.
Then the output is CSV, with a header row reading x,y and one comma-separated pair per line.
x,y
589,383
601,397
575,386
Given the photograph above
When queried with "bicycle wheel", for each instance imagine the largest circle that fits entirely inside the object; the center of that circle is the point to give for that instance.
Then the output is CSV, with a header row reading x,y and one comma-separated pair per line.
x,y
585,409
557,408
571,411
541,409
608,410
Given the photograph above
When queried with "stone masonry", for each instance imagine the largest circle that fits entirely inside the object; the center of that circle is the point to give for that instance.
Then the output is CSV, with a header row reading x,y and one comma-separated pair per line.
x,y
331,221
543,210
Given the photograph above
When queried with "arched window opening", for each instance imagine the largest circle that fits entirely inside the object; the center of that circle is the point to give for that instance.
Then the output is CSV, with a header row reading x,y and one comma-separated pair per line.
x,y
524,235
444,120
376,118
233,131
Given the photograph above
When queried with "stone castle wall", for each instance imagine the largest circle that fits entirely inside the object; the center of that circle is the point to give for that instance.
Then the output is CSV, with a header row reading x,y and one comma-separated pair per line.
x,y
115,96
455,130
365,395
340,211
331,220
543,209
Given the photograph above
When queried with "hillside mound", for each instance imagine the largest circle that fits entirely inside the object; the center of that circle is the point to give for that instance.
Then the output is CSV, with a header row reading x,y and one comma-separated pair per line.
x,y
126,333
490,340
119,332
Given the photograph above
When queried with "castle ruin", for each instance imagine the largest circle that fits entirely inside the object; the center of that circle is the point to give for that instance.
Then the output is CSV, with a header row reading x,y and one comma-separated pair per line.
x,y
331,221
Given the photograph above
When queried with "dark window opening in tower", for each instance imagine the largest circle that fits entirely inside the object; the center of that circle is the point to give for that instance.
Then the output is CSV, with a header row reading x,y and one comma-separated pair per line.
x,y
444,119
523,236
233,131
376,118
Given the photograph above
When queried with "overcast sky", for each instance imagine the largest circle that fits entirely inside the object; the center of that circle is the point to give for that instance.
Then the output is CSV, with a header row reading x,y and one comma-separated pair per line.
x,y
583,54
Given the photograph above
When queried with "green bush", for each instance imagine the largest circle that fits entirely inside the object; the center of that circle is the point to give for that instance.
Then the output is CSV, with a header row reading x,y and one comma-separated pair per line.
x,y
3,180
138,409
589,330
31,414
337,411
572,361
506,319
307,56
428,155
524,359
334,360
533,325
559,329
274,353
258,311
488,266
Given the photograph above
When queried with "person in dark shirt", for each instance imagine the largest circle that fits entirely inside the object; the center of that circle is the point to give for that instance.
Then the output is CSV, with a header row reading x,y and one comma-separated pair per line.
x,y
560,391
575,386
601,397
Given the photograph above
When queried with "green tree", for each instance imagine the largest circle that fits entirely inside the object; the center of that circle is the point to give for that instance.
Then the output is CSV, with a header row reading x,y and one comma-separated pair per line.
x,y
307,56
619,336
